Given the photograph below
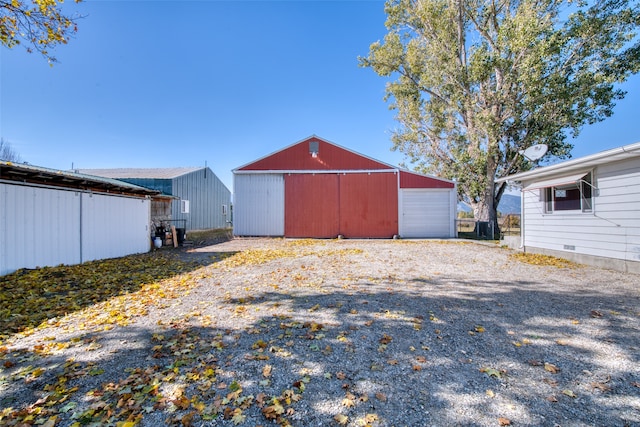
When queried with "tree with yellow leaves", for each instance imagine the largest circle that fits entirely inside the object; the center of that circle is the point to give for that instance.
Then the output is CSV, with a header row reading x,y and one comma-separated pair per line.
x,y
39,25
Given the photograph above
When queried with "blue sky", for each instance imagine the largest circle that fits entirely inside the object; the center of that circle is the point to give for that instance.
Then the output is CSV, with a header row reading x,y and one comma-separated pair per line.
x,y
181,83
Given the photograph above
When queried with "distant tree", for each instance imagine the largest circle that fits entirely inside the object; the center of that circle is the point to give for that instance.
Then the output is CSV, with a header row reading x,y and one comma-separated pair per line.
x,y
7,153
40,24
479,80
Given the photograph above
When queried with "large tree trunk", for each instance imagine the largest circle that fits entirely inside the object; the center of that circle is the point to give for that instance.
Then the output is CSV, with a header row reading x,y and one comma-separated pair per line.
x,y
485,210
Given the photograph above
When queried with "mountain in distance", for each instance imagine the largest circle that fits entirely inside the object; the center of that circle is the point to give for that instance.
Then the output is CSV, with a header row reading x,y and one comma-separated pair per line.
x,y
509,204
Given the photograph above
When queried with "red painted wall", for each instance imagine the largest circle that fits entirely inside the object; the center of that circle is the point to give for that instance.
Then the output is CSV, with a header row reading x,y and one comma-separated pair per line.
x,y
414,180
330,157
354,205
311,207
369,205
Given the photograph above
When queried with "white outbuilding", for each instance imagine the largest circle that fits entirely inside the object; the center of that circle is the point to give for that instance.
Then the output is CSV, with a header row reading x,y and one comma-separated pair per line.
x,y
50,217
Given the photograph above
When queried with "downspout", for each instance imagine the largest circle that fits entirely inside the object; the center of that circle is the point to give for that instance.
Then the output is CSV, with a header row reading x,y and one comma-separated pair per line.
x,y
521,219
81,194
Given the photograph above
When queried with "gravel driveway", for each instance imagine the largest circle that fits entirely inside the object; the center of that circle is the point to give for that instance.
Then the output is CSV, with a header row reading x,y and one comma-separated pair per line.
x,y
348,332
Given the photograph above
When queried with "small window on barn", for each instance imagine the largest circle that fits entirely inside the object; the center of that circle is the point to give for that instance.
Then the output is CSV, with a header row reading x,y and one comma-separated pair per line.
x,y
224,209
184,206
569,197
314,148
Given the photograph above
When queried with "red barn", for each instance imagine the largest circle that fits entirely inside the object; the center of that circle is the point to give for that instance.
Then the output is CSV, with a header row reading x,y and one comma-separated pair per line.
x,y
315,188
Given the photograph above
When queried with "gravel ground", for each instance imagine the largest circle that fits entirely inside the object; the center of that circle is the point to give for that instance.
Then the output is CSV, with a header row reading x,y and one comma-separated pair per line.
x,y
346,332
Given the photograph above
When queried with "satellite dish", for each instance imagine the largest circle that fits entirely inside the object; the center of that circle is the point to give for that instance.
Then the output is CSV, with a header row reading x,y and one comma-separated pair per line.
x,y
534,152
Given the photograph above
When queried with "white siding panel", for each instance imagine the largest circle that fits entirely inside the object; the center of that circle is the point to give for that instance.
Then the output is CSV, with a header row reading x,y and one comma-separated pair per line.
x,y
114,226
425,213
38,227
612,230
258,209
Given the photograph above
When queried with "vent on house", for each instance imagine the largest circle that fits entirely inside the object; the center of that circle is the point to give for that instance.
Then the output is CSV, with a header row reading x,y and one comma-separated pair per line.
x,y
184,206
569,247
314,147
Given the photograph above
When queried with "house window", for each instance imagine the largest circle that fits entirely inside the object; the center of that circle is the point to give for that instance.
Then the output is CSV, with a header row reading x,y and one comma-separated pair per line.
x,y
184,206
575,196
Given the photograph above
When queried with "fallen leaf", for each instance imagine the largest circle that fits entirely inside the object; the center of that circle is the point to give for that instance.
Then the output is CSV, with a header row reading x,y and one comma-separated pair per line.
x,y
381,397
552,399
266,371
341,419
550,367
491,372
600,386
569,393
386,339
504,421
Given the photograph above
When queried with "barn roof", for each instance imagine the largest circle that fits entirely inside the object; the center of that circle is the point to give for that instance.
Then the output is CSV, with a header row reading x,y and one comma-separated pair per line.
x,y
26,173
141,173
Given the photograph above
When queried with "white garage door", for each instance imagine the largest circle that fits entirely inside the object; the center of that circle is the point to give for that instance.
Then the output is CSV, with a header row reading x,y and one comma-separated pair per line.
x,y
426,213
258,208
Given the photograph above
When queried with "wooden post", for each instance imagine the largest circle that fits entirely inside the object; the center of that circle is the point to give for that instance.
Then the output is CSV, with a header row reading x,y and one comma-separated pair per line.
x,y
175,236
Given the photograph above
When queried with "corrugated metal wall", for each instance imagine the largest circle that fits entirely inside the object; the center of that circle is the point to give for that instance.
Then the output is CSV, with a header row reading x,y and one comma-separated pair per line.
x,y
114,226
206,195
351,204
258,208
43,227
427,213
312,205
38,227
369,205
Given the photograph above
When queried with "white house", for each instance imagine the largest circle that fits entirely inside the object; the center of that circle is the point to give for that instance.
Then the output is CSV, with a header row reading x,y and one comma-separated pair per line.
x,y
585,209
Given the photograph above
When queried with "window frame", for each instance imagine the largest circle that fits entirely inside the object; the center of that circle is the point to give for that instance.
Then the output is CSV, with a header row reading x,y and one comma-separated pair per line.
x,y
586,195
184,206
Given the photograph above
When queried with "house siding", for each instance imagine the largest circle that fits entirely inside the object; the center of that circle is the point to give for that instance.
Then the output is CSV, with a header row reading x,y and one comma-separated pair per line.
x,y
612,230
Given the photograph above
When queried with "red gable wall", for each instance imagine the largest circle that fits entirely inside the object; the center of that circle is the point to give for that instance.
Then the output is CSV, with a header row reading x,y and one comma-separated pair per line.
x,y
330,157
413,180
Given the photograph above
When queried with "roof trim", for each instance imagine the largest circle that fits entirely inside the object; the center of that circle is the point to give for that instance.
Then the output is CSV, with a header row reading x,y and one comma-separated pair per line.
x,y
312,171
586,162
22,173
